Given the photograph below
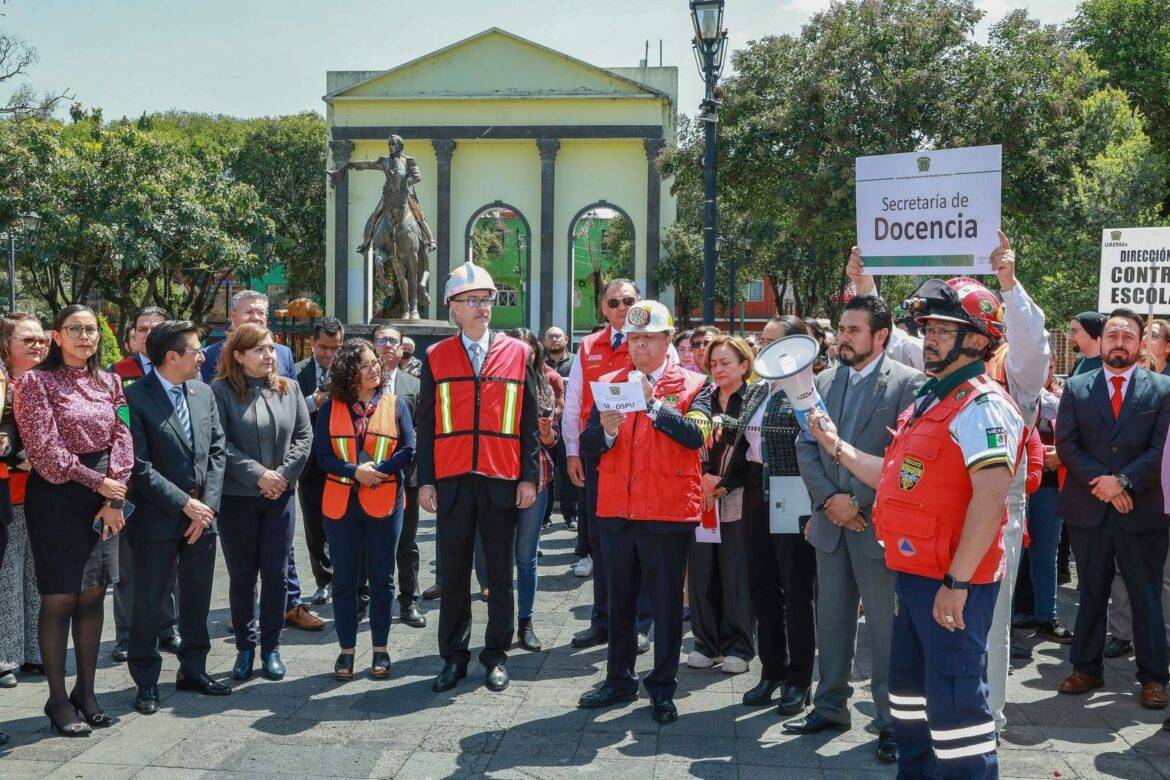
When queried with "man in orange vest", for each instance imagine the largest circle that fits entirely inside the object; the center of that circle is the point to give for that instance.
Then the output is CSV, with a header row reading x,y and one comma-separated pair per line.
x,y
648,504
940,513
478,463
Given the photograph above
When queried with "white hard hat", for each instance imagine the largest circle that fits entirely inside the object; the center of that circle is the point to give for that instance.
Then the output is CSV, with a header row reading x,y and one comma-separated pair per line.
x,y
466,277
648,317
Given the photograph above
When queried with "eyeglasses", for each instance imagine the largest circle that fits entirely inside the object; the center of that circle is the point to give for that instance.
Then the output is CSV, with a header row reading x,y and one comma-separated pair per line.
x,y
370,365
187,351
386,341
477,303
33,341
77,331
935,332
626,301
699,344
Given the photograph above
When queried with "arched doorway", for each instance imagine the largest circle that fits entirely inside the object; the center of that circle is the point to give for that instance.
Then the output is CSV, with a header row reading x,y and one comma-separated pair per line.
x,y
499,238
601,248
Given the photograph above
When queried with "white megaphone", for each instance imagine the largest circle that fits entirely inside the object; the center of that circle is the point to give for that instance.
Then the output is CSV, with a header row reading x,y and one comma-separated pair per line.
x,y
787,362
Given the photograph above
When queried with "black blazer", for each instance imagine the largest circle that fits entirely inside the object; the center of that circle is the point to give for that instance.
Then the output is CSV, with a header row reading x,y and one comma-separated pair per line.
x,y
166,468
306,372
501,491
1091,443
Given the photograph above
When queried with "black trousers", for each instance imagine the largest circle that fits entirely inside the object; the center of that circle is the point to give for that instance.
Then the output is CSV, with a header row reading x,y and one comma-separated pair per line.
x,y
1140,558
473,515
408,558
722,622
309,493
645,556
153,564
782,573
257,533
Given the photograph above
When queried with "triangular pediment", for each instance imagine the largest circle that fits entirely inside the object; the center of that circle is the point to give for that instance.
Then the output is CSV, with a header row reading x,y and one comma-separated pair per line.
x,y
494,64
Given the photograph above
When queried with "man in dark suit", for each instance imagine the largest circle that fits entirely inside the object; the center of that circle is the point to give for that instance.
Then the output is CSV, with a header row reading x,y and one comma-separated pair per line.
x,y
312,376
179,459
864,394
389,343
1110,433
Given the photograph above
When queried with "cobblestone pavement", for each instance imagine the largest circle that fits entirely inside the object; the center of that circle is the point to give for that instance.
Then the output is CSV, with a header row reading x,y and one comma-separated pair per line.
x,y
313,725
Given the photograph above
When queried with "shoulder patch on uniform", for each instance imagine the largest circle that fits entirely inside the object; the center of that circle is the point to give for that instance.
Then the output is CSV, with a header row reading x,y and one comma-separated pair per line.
x,y
959,396
996,437
983,398
671,399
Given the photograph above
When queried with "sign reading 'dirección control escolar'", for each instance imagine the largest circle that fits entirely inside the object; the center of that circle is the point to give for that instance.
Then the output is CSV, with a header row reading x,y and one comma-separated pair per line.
x,y
929,212
1135,270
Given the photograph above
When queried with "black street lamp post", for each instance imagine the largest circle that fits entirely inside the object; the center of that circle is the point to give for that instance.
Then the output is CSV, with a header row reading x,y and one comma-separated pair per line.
x,y
27,223
710,45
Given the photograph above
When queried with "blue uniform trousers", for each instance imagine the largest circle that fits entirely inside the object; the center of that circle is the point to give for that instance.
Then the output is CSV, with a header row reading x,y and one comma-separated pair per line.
x,y
599,619
938,684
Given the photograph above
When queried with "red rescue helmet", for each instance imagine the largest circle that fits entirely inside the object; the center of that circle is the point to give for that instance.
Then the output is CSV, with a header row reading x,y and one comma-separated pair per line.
x,y
961,300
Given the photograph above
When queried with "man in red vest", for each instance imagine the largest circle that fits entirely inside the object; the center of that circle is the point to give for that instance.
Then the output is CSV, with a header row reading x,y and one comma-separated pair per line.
x,y
478,463
648,504
940,514
598,354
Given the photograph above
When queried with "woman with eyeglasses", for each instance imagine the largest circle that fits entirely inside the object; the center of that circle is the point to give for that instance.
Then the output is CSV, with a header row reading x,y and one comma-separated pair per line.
x,y
22,346
72,418
268,440
364,441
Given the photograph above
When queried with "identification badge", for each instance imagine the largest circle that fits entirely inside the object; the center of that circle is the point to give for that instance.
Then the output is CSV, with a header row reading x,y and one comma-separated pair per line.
x,y
910,472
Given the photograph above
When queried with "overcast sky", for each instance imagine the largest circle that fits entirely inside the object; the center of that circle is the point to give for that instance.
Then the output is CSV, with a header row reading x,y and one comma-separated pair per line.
x,y
268,57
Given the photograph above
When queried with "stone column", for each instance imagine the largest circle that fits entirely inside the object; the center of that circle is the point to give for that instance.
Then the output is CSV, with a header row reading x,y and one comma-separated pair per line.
x,y
654,148
340,152
548,148
444,151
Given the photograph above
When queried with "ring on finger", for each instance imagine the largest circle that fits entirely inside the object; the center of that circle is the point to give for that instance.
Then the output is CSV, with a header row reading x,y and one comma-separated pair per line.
x,y
950,618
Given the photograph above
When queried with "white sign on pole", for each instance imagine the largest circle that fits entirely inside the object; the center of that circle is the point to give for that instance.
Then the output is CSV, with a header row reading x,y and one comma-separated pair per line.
x,y
1135,270
929,212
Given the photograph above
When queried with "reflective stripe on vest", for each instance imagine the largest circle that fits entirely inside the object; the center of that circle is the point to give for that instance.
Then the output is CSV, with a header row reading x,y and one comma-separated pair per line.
x,y
380,439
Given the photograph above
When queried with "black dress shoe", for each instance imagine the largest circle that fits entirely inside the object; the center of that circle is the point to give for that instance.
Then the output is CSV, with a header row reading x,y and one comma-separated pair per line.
x,y
762,693
528,638
146,701
1116,648
412,616
590,637
813,723
794,699
75,729
33,668
3,737
119,655
170,645
662,709
605,696
1019,652
245,662
497,678
380,665
320,596
97,720
200,683
887,747
343,666
271,666
643,643
1055,631
448,678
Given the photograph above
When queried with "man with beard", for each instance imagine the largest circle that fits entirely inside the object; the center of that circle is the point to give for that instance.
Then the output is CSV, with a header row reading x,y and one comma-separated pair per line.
x,y
850,560
1084,333
940,511
1110,433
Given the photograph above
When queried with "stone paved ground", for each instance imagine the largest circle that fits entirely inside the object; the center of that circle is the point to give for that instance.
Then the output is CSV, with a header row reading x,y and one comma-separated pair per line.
x,y
312,725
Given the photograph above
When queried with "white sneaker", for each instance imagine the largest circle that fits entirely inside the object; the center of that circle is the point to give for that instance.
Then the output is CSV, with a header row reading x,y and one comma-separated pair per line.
x,y
697,660
584,567
733,665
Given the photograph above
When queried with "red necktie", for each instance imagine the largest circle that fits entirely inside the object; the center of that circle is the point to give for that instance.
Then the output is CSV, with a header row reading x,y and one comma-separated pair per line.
x,y
1117,397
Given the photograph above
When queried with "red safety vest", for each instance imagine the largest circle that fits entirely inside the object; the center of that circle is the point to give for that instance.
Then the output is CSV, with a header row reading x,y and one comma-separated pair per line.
x,y
646,475
925,489
597,357
128,370
379,442
477,419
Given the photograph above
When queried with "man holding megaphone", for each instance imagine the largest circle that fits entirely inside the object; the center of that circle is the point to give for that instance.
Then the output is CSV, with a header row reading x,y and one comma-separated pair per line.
x,y
940,513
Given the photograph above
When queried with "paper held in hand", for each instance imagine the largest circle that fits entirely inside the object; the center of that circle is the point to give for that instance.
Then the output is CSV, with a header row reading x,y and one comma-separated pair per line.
x,y
934,212
618,396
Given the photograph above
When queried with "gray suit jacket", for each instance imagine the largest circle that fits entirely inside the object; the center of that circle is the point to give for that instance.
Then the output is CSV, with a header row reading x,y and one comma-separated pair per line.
x,y
294,436
167,470
892,391
406,387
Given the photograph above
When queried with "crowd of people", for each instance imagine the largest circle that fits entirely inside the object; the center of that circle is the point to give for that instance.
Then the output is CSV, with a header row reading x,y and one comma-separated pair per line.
x,y
945,461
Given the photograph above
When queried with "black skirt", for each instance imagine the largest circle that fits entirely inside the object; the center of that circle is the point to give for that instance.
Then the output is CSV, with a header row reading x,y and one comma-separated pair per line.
x,y
68,556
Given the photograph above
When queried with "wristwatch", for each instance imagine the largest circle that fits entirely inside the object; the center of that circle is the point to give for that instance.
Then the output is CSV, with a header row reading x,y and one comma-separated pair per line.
x,y
1123,481
115,503
953,584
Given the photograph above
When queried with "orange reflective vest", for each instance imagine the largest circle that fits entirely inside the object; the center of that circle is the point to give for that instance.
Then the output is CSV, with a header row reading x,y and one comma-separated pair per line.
x,y
646,475
477,419
925,489
597,358
379,442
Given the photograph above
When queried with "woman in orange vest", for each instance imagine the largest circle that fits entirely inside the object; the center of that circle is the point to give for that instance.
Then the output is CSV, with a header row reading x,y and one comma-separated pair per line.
x,y
364,440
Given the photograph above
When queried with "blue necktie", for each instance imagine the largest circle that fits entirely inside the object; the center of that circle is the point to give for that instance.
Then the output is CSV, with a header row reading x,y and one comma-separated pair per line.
x,y
184,415
618,338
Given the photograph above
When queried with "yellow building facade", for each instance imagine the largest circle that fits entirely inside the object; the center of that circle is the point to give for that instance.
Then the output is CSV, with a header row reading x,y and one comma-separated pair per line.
x,y
499,121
